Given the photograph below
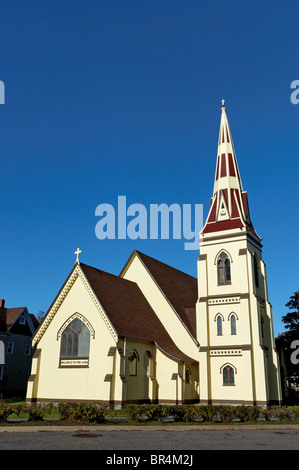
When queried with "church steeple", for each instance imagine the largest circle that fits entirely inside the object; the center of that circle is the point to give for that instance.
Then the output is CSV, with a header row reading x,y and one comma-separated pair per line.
x,y
229,205
234,322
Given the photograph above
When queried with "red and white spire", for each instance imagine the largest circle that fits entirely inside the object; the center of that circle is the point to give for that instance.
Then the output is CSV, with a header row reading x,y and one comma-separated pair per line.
x,y
229,205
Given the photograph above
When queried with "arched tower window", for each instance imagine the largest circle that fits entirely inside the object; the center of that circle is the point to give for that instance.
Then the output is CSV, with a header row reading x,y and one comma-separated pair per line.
x,y
219,325
233,325
223,269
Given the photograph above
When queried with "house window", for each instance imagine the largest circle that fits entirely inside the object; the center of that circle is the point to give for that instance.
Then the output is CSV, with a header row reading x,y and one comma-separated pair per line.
x,y
1,372
22,320
233,326
10,348
75,340
133,358
219,325
223,268
228,375
27,349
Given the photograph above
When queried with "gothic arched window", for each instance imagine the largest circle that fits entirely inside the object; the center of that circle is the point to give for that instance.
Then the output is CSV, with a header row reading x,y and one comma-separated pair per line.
x,y
233,326
223,269
219,325
228,375
75,340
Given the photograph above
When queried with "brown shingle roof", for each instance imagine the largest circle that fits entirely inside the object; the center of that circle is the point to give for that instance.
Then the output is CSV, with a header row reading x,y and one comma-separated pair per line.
x,y
8,316
128,310
179,288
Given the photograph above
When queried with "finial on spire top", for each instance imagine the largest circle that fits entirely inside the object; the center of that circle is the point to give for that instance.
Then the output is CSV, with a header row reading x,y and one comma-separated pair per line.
x,y
223,101
77,253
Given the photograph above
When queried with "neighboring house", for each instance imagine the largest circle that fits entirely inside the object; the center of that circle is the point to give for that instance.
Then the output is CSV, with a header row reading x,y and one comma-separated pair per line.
x,y
156,334
17,327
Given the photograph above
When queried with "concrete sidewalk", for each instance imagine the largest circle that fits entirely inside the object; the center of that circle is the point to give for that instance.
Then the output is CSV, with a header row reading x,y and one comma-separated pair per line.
x,y
151,428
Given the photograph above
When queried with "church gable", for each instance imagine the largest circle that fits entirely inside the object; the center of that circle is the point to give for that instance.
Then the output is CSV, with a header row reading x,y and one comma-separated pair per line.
x,y
177,287
171,294
74,298
117,302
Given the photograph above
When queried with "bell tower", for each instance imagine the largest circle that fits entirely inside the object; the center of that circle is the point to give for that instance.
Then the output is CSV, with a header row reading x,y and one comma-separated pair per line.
x,y
237,357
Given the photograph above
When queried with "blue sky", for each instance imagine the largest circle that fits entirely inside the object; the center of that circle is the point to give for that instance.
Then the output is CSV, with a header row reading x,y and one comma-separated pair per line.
x,y
122,97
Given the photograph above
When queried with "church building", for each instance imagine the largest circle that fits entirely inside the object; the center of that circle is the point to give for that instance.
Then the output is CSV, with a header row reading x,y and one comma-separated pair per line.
x,y
155,334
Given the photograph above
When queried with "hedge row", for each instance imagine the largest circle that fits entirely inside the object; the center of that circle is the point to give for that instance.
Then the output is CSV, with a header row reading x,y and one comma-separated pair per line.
x,y
96,413
209,413
68,412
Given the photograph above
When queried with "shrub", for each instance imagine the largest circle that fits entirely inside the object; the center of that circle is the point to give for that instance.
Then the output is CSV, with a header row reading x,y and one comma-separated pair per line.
x,y
279,412
207,412
185,413
18,409
154,412
35,411
282,413
247,413
227,413
177,411
5,411
133,411
294,411
82,412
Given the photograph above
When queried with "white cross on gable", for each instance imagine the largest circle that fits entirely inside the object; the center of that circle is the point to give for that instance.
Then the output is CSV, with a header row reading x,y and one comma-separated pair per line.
x,y
77,253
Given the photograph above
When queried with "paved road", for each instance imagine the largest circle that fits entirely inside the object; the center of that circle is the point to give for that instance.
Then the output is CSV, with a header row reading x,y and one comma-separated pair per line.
x,y
169,439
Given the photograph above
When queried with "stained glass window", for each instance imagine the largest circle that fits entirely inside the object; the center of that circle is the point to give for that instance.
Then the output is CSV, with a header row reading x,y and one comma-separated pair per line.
x,y
75,340
228,375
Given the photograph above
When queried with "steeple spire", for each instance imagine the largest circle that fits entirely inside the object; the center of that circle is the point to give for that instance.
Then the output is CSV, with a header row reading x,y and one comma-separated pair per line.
x,y
229,205
227,166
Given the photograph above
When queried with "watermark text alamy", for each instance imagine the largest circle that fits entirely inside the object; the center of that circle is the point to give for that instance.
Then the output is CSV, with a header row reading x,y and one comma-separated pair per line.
x,y
158,221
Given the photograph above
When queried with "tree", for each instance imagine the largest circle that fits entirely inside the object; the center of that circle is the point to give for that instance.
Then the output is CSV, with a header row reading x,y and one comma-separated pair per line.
x,y
287,345
291,319
40,315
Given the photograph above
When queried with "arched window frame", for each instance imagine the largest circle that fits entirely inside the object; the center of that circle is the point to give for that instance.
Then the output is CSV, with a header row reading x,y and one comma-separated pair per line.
x,y
70,319
223,262
228,372
70,342
219,319
233,323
